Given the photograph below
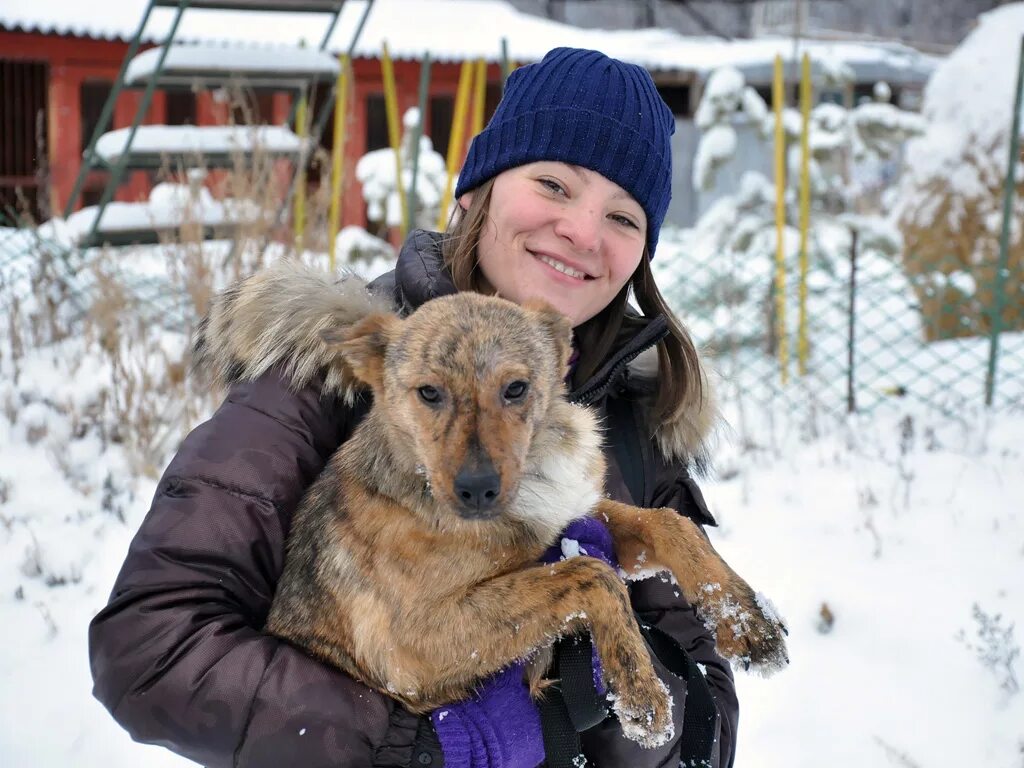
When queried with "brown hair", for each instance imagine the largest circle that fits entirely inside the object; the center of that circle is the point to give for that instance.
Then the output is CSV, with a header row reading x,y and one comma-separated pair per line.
x,y
680,380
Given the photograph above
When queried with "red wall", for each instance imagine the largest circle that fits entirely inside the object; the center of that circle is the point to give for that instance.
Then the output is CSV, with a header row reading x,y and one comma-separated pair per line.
x,y
73,60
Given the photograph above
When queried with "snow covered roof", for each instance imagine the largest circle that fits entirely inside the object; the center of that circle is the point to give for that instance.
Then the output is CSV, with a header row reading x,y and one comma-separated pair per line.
x,y
257,63
206,140
453,30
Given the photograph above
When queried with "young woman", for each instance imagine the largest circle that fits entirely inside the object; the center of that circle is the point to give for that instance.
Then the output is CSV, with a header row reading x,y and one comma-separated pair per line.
x,y
562,197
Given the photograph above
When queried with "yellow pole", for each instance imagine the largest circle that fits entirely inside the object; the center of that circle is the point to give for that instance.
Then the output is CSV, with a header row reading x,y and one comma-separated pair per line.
x,y
778,99
456,139
805,208
481,96
394,133
299,206
338,158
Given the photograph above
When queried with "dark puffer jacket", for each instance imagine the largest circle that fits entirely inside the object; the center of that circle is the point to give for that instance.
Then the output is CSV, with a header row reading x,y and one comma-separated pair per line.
x,y
178,655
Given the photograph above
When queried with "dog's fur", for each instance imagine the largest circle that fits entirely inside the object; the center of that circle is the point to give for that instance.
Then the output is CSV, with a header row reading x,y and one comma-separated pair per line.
x,y
397,578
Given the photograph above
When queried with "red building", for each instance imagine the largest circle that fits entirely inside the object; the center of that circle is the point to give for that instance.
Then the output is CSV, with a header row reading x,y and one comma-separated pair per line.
x,y
53,88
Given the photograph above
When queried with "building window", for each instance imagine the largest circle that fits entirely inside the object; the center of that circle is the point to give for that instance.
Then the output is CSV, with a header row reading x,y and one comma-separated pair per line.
x,y
376,122
93,96
23,122
180,108
442,112
491,101
253,108
677,97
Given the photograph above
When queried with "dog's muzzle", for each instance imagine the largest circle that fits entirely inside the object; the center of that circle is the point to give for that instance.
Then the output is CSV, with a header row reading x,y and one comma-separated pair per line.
x,y
477,488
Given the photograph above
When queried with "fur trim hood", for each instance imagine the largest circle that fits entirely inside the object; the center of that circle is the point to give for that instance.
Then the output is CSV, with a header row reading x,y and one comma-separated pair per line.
x,y
276,316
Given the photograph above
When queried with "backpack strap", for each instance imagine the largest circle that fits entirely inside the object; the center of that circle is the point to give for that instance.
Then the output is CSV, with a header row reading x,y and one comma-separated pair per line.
x,y
700,716
562,748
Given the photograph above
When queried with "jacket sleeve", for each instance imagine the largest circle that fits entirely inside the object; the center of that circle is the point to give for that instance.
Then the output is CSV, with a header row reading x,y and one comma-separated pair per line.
x,y
658,603
178,655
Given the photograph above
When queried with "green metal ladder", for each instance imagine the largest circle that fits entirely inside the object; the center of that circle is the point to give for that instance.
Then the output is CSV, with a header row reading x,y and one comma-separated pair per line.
x,y
123,162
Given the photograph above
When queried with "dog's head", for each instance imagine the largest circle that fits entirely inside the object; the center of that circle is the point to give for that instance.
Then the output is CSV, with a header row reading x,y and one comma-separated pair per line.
x,y
461,385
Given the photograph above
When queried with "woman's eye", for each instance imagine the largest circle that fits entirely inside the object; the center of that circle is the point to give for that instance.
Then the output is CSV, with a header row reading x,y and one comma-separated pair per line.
x,y
625,221
515,391
429,395
553,186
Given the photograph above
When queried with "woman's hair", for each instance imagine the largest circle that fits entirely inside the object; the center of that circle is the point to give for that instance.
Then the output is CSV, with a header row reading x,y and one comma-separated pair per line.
x,y
680,385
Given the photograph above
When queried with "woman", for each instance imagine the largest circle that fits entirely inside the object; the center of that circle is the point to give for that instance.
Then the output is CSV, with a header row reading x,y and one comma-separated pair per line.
x,y
562,197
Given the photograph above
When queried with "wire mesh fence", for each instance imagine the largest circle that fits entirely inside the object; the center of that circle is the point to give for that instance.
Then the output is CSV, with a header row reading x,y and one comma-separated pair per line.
x,y
877,334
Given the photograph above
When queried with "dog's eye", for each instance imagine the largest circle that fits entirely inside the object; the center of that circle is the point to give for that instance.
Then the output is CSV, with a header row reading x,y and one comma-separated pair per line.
x,y
515,391
430,395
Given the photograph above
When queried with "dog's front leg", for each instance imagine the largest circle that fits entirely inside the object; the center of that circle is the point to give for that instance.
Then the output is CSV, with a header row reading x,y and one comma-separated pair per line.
x,y
512,616
746,627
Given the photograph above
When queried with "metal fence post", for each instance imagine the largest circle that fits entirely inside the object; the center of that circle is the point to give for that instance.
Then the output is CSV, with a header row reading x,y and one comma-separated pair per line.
x,y
851,396
999,298
506,63
410,213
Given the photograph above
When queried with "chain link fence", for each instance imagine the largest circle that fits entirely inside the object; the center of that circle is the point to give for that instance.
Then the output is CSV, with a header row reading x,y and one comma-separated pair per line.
x,y
877,334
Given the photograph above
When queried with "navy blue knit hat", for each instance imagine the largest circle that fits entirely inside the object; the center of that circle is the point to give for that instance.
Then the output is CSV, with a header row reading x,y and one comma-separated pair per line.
x,y
582,107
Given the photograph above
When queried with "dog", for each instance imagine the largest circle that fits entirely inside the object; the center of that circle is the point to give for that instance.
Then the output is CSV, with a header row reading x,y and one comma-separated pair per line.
x,y
412,561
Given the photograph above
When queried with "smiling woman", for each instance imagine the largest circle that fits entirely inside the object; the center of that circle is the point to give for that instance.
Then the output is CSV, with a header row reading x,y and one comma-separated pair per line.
x,y
561,198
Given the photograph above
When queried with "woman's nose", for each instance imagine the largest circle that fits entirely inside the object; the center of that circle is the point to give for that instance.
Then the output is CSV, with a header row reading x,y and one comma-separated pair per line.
x,y
582,227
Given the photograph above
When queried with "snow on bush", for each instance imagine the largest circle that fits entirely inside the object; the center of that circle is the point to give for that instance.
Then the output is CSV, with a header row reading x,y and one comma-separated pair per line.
x,y
726,98
951,195
363,253
376,172
726,289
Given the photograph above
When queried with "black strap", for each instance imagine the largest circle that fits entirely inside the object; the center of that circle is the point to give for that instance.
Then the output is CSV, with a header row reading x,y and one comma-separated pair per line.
x,y
562,747
572,705
621,423
575,661
700,715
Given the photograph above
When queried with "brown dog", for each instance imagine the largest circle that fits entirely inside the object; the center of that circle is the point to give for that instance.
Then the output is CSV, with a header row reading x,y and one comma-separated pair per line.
x,y
412,560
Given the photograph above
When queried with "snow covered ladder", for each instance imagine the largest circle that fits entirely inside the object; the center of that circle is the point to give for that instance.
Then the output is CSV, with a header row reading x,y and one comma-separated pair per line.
x,y
176,66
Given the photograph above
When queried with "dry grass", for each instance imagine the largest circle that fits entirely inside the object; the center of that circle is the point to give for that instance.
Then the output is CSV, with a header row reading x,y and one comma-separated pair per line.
x,y
948,232
141,330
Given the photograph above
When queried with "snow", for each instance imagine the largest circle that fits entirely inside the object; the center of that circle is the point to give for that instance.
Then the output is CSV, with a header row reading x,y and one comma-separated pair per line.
x,y
187,139
717,145
376,173
900,544
902,524
135,217
364,254
727,100
980,73
250,60
169,206
905,522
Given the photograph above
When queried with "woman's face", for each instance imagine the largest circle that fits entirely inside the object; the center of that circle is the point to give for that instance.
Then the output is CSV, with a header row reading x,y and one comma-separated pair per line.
x,y
561,233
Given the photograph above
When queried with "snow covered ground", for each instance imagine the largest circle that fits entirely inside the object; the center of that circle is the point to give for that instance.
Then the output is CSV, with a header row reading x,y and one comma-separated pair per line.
x,y
906,524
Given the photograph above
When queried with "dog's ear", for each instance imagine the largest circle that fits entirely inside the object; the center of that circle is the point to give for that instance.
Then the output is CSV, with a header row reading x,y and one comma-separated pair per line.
x,y
362,346
557,326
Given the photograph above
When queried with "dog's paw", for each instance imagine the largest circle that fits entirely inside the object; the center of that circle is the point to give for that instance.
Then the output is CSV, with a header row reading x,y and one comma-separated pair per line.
x,y
645,712
748,629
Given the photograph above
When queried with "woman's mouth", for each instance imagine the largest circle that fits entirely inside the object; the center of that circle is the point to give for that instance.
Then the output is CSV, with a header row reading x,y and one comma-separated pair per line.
x,y
562,267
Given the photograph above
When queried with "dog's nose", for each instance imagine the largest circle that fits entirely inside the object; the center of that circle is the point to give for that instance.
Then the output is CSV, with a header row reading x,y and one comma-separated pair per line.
x,y
477,489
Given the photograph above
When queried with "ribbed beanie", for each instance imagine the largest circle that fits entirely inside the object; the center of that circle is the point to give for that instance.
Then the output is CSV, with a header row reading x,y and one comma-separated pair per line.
x,y
582,107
